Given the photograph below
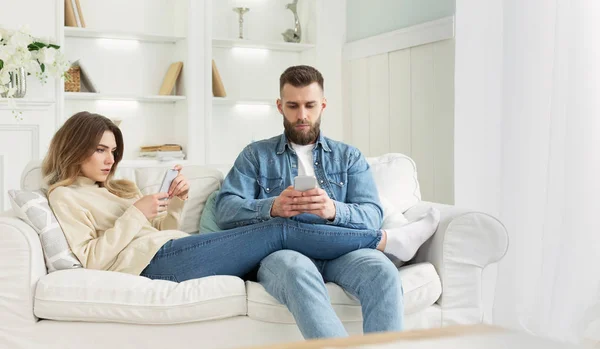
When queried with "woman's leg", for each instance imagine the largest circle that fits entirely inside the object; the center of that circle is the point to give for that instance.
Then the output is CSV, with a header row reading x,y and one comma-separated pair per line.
x,y
239,250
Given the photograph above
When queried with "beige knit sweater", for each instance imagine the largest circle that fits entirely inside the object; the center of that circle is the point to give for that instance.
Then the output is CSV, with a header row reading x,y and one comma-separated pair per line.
x,y
107,232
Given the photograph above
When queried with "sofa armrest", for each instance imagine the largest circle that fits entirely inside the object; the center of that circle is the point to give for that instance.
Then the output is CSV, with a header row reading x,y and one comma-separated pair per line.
x,y
21,266
465,243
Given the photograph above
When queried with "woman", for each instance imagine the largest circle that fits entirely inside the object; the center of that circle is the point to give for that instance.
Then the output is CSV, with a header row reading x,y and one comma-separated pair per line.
x,y
110,225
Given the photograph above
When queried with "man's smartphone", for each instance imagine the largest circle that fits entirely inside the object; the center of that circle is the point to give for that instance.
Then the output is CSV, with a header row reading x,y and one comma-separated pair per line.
x,y
169,177
304,183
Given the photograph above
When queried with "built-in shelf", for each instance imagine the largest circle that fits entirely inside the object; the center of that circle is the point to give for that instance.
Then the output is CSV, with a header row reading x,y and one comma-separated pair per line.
x,y
275,46
102,34
252,101
151,163
26,103
104,96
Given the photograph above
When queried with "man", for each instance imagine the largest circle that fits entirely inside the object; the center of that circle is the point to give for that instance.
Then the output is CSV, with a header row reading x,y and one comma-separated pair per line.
x,y
259,187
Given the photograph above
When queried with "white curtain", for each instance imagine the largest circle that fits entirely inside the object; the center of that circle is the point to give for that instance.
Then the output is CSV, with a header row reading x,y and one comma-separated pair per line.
x,y
549,282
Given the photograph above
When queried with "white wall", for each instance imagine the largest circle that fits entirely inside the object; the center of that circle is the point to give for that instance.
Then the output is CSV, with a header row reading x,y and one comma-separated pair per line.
x,y
478,108
368,18
403,101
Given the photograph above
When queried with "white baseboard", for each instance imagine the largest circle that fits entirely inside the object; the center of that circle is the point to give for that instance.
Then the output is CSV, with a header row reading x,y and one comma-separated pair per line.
x,y
421,34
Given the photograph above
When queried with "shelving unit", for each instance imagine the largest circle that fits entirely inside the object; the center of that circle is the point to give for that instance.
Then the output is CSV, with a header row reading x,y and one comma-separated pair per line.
x,y
255,44
101,34
103,96
127,53
250,70
234,101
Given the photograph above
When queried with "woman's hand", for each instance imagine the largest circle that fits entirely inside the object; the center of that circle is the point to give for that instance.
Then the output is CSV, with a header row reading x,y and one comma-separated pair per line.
x,y
152,205
180,185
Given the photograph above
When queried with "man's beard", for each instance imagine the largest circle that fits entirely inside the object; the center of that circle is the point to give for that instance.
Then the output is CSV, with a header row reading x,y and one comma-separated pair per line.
x,y
299,136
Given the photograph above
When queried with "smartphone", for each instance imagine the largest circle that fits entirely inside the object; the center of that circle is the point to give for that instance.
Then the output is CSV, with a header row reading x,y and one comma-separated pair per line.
x,y
304,183
169,177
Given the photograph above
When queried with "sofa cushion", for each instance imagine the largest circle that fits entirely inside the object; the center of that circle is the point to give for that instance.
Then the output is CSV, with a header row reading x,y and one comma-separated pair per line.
x,y
420,282
33,208
396,179
104,296
208,220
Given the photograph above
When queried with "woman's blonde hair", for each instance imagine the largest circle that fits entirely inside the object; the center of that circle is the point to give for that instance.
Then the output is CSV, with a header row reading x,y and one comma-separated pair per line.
x,y
75,142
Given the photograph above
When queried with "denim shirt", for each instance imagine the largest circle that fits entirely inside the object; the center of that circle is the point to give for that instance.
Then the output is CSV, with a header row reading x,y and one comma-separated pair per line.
x,y
265,168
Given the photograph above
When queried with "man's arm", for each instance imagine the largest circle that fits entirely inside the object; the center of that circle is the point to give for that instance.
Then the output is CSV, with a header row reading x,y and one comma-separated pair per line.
x,y
236,203
361,208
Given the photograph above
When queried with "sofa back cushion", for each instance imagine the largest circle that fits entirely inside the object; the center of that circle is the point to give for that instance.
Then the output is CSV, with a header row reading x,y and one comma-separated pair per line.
x,y
203,181
396,179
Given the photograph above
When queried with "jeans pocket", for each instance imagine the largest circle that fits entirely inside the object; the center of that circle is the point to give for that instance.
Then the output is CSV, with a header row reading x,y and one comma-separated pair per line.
x,y
166,277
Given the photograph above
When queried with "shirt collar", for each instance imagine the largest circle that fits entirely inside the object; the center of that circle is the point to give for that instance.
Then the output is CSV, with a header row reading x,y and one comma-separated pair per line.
x,y
85,182
283,143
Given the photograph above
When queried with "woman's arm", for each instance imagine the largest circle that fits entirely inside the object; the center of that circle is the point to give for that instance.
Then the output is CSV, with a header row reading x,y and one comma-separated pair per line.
x,y
93,251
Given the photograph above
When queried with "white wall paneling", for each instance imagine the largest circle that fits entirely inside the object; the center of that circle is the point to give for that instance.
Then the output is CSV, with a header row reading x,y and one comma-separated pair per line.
x,y
402,101
21,144
421,34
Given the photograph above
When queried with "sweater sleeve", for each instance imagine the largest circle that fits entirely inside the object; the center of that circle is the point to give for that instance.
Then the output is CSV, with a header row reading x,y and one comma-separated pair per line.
x,y
171,220
93,251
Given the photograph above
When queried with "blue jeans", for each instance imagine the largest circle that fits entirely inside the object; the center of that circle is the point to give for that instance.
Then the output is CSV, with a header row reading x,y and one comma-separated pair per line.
x,y
240,250
299,282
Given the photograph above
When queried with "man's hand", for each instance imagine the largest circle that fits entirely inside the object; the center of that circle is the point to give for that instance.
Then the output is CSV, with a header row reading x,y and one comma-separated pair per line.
x,y
315,201
283,206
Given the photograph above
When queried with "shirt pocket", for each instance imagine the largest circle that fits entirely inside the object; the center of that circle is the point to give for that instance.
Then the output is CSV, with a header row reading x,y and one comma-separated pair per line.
x,y
338,183
270,186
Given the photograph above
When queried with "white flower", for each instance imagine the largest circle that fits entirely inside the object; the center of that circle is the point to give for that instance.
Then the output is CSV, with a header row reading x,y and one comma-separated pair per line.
x,y
33,67
6,51
21,39
47,55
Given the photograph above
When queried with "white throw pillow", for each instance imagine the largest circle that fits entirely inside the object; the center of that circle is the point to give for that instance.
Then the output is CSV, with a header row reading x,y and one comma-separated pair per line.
x,y
33,208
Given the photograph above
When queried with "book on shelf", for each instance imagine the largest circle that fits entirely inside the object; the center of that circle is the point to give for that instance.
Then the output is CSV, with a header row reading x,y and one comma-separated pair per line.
x,y
170,79
217,84
163,155
161,147
74,14
162,152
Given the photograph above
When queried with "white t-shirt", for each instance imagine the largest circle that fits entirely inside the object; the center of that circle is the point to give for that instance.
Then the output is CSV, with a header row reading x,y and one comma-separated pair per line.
x,y
305,159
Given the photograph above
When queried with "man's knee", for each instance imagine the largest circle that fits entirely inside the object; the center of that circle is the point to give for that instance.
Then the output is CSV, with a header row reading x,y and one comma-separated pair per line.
x,y
287,265
375,265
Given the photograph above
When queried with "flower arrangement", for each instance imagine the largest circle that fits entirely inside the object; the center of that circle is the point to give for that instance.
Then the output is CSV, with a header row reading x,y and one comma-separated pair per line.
x,y
18,49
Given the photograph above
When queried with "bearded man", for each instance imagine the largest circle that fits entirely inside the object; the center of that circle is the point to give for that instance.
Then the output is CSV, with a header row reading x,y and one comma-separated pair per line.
x,y
259,188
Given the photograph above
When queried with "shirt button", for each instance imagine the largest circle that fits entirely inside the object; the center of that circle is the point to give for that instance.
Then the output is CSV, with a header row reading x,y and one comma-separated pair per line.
x,y
341,183
316,163
321,181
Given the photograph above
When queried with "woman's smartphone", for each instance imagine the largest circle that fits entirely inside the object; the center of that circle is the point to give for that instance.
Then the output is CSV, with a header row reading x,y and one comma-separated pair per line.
x,y
304,183
169,177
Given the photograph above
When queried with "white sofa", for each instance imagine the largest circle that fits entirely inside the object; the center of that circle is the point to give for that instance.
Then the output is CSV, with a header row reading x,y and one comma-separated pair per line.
x,y
95,309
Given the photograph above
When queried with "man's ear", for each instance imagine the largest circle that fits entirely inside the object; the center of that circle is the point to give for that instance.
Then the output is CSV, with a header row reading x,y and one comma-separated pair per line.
x,y
324,103
280,105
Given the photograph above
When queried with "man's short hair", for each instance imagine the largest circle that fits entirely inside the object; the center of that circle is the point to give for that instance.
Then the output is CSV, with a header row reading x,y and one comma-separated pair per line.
x,y
300,76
